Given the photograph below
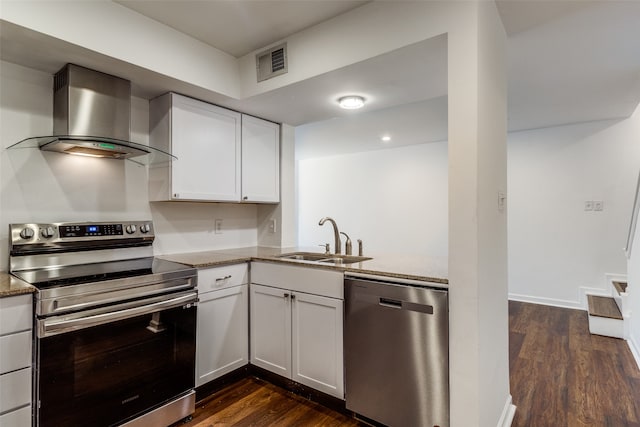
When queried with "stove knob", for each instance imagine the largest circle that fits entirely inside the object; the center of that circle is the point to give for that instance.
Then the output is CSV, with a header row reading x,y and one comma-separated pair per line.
x,y
131,229
47,232
26,233
145,228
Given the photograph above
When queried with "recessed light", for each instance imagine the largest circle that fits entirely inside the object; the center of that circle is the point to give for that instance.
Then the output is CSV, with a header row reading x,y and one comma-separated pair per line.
x,y
351,102
386,138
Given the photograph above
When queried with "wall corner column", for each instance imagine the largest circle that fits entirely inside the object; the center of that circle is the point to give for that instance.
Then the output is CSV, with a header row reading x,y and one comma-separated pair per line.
x,y
479,341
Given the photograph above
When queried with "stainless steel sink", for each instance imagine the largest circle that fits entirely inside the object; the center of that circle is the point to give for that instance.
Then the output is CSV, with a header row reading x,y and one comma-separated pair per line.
x,y
304,256
344,259
324,258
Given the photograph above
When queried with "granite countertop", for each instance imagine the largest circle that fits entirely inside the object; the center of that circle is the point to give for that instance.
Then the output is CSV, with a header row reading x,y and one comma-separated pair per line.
x,y
430,269
10,286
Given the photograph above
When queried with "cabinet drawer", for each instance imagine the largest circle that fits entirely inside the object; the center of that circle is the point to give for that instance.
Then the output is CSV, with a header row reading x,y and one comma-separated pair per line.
x,y
15,314
15,351
212,279
17,418
316,281
15,389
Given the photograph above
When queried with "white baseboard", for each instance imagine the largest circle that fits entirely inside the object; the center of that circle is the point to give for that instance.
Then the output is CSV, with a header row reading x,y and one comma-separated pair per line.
x,y
635,350
508,413
546,301
609,277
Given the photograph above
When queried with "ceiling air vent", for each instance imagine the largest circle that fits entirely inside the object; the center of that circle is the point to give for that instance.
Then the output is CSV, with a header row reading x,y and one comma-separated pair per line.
x,y
272,62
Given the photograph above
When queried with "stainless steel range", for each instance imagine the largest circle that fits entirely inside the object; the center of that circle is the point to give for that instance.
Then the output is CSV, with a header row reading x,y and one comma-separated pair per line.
x,y
114,327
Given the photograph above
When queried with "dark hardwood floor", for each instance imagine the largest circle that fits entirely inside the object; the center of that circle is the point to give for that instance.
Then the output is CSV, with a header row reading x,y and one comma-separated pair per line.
x,y
563,376
254,402
560,376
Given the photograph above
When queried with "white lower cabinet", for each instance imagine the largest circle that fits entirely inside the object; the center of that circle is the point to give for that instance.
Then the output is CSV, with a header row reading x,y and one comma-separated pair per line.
x,y
223,325
316,337
271,329
15,361
298,336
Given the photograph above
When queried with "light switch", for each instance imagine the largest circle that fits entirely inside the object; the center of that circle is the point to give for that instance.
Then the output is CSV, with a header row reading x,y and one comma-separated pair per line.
x,y
588,205
218,226
272,225
598,205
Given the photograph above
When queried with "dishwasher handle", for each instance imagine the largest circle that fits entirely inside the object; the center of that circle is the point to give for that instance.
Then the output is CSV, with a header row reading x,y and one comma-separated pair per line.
x,y
391,303
395,304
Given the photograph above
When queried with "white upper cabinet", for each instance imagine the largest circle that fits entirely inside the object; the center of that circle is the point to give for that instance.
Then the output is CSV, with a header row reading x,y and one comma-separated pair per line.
x,y
222,155
206,141
260,160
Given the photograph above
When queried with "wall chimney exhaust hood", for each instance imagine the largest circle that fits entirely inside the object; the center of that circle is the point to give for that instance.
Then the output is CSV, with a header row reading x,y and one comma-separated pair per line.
x,y
92,117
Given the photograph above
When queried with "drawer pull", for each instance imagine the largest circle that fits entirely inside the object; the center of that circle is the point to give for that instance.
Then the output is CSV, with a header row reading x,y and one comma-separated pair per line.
x,y
220,279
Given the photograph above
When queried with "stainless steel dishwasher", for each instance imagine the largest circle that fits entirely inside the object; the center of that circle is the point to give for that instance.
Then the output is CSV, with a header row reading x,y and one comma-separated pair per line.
x,y
397,351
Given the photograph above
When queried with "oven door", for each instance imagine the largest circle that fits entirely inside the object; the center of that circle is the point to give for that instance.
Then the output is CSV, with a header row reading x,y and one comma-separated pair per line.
x,y
109,365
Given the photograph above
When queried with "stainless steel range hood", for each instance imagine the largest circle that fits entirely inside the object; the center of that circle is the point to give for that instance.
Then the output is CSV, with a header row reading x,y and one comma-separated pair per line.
x,y
92,117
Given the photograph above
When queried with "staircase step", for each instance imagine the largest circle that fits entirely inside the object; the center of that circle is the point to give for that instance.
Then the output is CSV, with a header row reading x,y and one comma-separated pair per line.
x,y
621,287
603,307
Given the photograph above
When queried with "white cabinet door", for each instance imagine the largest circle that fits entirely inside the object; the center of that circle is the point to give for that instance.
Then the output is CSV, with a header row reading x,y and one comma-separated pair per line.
x,y
271,329
317,343
223,333
17,418
206,141
15,389
260,160
15,314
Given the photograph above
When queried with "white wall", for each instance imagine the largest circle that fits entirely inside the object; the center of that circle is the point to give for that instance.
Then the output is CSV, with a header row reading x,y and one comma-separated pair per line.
x,y
634,295
395,200
555,246
40,186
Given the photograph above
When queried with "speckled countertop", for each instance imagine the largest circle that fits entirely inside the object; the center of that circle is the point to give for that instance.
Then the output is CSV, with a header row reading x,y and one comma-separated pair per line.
x,y
431,269
10,286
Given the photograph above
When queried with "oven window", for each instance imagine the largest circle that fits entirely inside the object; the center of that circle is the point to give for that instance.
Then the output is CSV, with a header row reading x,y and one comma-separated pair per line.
x,y
104,375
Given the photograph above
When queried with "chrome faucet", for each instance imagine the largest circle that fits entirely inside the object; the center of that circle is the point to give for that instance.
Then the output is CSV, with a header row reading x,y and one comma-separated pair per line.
x,y
336,233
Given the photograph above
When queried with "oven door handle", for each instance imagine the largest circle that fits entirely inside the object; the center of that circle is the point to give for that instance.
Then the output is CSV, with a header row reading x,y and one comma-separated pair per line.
x,y
57,325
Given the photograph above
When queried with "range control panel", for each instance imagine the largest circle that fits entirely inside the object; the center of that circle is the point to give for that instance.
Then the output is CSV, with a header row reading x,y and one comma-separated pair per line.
x,y
76,230
61,232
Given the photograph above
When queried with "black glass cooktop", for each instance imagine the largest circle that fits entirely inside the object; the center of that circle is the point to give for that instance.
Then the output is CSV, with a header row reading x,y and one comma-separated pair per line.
x,y
97,272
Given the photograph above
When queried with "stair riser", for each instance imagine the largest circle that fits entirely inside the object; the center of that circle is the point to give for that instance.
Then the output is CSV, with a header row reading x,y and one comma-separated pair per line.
x,y
607,327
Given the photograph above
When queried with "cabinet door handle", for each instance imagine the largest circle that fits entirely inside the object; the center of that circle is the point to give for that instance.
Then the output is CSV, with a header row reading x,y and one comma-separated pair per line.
x,y
220,279
286,295
293,296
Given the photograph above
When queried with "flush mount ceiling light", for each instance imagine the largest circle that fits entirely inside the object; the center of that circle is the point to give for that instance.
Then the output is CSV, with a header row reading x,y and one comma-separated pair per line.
x,y
386,138
351,102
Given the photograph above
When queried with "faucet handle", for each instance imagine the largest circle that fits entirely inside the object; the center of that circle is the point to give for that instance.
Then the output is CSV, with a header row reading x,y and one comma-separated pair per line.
x,y
347,243
360,247
327,251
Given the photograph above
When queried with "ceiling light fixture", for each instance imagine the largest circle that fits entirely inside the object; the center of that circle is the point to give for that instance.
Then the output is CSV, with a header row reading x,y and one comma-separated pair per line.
x,y
351,102
386,138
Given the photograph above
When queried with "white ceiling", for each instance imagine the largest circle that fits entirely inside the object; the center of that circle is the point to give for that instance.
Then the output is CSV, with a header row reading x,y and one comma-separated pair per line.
x,y
241,26
568,61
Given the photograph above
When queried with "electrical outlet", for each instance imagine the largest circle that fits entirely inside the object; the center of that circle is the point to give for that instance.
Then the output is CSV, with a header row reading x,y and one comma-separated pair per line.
x,y
272,225
218,226
598,205
588,205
